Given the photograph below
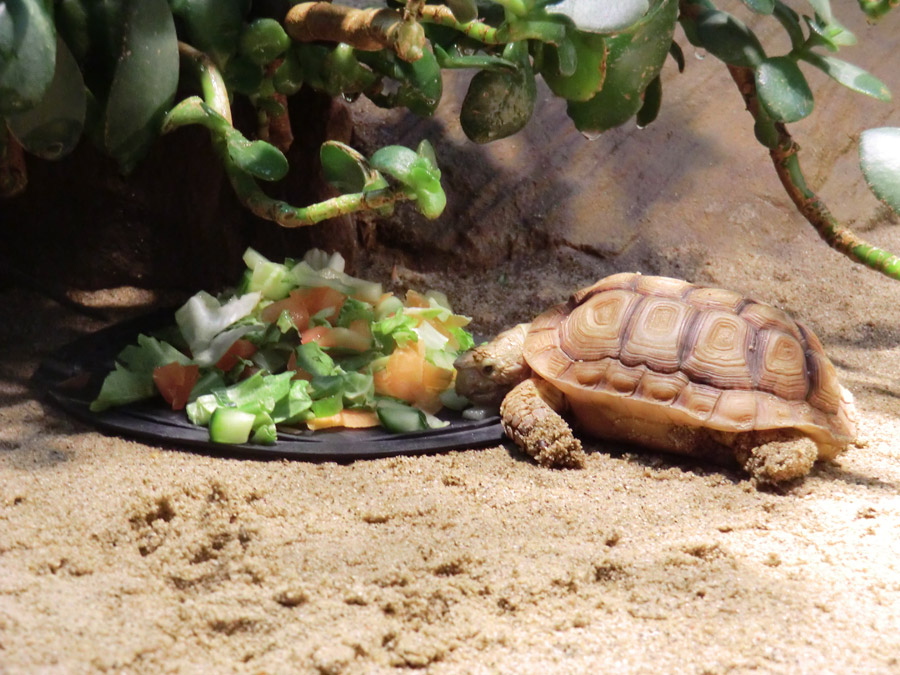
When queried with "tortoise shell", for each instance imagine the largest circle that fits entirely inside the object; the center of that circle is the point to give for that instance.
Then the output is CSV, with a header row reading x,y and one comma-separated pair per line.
x,y
665,351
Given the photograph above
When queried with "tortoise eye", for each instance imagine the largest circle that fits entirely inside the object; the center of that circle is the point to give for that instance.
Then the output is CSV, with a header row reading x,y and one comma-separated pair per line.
x,y
487,369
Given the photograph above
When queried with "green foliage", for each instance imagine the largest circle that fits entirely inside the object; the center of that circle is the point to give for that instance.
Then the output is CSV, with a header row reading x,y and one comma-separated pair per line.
x,y
51,128
144,81
783,90
110,70
635,58
499,103
27,54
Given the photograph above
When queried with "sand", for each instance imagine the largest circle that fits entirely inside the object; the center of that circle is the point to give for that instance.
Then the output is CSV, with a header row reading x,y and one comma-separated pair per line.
x,y
118,556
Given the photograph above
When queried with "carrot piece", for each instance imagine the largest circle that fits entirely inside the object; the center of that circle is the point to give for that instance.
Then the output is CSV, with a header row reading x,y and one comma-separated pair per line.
x,y
416,299
411,378
351,419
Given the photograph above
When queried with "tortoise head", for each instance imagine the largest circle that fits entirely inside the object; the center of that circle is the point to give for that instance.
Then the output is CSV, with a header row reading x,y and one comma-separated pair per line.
x,y
486,373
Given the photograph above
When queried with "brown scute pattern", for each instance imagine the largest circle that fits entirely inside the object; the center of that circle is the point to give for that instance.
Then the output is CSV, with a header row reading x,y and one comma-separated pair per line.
x,y
767,317
657,331
782,365
718,351
826,391
660,287
594,329
622,281
715,298
704,354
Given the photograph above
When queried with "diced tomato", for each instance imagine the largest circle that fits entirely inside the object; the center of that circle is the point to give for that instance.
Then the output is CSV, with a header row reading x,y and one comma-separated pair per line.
x,y
357,339
351,419
296,307
241,349
317,299
411,378
175,381
323,335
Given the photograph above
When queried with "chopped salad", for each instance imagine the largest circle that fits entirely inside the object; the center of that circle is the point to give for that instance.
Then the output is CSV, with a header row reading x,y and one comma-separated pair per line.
x,y
298,344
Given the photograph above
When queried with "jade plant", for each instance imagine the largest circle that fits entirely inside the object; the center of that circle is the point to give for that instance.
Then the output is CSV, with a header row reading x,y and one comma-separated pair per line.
x,y
120,73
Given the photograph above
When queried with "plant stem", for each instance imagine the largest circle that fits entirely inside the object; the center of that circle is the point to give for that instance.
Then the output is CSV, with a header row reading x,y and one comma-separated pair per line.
x,y
784,154
245,186
477,30
365,29
212,84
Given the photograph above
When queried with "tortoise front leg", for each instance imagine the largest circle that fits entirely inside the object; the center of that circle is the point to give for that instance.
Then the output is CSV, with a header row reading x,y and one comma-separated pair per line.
x,y
530,417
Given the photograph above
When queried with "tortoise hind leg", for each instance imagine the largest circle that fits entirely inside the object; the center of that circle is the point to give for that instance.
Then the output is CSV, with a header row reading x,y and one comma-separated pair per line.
x,y
530,417
777,458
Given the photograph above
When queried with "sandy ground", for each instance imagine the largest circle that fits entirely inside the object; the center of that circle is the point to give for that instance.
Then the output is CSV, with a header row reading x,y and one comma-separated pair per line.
x,y
124,557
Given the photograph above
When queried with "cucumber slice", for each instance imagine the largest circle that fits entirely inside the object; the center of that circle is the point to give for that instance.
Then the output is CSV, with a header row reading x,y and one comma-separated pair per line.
x,y
230,425
390,305
400,418
273,280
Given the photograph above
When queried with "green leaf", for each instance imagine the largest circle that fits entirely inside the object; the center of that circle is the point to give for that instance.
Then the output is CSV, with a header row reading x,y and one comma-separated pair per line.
x,y
783,90
144,83
106,22
499,103
822,9
463,10
590,68
790,20
243,76
765,130
851,76
27,53
420,82
601,17
394,160
652,102
72,21
418,172
676,53
51,129
829,34
879,158
343,167
258,158
212,26
635,59
288,78
761,6
263,40
727,38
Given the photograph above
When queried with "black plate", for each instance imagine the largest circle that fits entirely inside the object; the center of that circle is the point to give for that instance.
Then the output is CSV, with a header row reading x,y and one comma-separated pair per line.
x,y
72,375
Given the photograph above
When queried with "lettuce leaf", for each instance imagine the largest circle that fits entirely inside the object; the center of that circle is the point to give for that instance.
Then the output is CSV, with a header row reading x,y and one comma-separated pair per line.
x,y
203,321
132,379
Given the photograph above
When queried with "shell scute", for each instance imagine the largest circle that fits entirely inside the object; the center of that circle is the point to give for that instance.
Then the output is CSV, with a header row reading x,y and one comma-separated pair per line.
x,y
656,334
697,400
594,329
718,353
782,365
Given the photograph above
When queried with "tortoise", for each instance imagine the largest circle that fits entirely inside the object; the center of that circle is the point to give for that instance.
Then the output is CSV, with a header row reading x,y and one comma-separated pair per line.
x,y
669,365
